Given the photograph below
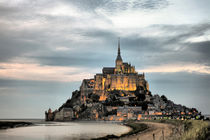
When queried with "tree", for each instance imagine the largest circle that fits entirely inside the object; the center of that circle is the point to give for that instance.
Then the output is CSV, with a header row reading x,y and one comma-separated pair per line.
x,y
144,106
164,98
140,93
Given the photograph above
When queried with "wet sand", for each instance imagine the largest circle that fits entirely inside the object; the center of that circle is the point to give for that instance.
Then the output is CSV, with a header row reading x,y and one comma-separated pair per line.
x,y
64,131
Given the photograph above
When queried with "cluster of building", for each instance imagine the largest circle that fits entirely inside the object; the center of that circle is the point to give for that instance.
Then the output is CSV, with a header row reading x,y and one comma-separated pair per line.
x,y
137,113
124,113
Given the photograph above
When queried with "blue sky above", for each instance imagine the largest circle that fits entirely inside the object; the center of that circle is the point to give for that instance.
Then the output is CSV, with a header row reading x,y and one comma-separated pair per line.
x,y
47,47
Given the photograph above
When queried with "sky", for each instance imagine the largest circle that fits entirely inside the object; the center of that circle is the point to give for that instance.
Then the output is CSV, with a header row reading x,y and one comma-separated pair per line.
x,y
47,47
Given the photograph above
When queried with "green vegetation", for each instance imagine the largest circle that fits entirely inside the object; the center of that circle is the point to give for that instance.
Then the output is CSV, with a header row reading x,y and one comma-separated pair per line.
x,y
195,130
192,129
208,133
188,129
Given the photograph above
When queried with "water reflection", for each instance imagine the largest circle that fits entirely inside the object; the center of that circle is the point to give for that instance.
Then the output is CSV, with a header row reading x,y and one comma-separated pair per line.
x,y
63,131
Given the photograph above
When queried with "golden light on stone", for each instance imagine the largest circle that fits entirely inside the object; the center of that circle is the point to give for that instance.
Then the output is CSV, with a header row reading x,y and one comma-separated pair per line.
x,y
122,77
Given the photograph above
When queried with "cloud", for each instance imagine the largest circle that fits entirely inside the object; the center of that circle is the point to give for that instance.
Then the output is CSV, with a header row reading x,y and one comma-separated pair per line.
x,y
173,68
118,5
6,10
61,10
198,39
38,72
203,49
79,61
58,33
62,48
157,49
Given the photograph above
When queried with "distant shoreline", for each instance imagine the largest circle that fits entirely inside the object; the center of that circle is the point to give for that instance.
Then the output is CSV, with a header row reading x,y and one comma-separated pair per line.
x,y
13,124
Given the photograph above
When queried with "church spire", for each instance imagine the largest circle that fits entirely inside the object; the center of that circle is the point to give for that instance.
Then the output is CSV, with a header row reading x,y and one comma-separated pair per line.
x,y
119,46
119,58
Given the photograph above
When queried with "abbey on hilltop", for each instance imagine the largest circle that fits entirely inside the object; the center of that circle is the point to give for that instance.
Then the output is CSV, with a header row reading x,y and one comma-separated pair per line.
x,y
122,77
118,93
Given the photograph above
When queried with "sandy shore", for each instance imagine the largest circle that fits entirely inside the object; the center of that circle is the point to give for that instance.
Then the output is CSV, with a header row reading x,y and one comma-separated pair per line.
x,y
157,130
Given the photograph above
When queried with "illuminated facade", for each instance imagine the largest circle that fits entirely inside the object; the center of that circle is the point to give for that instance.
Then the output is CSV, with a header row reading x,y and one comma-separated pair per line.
x,y
122,77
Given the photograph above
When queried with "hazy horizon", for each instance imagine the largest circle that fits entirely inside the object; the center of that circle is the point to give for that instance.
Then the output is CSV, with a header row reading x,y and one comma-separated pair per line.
x,y
47,47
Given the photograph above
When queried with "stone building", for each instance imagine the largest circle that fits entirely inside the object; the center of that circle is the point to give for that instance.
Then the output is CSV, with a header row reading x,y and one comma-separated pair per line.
x,y
49,115
65,114
122,77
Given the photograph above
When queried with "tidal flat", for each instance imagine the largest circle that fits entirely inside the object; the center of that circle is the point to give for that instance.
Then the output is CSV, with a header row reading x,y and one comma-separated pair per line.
x,y
64,130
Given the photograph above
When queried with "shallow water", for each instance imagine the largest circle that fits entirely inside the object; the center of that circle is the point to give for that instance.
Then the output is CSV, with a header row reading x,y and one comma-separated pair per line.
x,y
63,131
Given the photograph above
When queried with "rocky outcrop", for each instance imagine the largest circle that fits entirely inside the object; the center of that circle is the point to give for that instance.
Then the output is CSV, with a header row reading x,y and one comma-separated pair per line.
x,y
93,111
119,105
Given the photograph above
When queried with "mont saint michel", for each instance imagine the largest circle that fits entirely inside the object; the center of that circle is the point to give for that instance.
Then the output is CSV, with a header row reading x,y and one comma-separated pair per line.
x,y
104,69
117,94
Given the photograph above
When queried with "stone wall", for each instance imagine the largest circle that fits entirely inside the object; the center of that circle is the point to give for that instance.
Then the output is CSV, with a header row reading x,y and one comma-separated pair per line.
x,y
127,82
